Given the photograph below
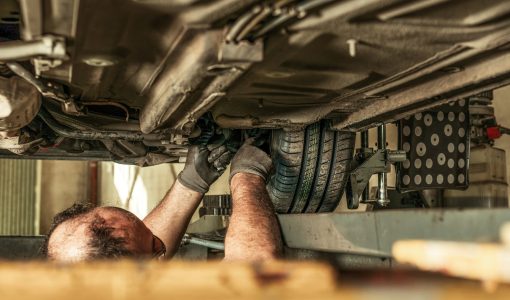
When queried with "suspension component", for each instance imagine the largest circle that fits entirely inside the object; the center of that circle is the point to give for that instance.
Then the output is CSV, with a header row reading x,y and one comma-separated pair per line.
x,y
19,103
47,46
369,162
364,148
87,135
382,195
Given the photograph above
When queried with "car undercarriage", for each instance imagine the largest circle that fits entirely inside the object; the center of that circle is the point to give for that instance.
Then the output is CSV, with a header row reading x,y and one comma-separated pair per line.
x,y
138,81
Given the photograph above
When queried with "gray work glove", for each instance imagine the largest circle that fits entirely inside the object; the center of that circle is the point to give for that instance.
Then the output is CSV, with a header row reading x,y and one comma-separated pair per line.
x,y
203,167
252,160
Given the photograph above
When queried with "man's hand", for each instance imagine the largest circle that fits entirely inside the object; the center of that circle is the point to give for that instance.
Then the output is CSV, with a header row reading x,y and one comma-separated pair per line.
x,y
203,167
252,160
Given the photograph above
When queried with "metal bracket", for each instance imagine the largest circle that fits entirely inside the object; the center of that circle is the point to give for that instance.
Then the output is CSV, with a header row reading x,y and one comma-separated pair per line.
x,y
48,90
16,146
359,177
241,52
374,233
368,163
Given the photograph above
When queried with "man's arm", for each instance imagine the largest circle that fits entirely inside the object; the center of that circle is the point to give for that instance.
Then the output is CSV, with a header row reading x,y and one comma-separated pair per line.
x,y
171,217
253,232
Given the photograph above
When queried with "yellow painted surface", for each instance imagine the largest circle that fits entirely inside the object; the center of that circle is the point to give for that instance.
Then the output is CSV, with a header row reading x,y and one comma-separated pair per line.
x,y
219,280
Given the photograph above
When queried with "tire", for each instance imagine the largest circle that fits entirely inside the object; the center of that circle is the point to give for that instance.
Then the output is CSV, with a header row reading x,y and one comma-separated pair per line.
x,y
311,168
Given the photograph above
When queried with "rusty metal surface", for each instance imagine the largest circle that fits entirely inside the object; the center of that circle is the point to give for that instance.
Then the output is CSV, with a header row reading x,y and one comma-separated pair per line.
x,y
373,233
353,61
258,64
180,78
484,65
491,72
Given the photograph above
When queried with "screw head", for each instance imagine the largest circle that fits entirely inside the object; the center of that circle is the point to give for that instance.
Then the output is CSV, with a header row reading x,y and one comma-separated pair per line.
x,y
100,61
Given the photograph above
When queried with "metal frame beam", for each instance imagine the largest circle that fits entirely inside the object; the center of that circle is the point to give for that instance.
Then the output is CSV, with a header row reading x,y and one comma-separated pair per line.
x,y
360,233
373,233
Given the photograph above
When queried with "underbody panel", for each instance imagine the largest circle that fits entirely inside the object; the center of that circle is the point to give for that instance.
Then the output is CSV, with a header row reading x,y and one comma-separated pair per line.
x,y
337,60
154,68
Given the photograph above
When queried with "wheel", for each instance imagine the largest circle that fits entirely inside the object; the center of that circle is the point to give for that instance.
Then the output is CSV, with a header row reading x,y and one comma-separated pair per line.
x,y
311,168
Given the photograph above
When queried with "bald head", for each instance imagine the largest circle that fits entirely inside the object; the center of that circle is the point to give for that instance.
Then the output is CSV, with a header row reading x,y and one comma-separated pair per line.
x,y
70,240
82,233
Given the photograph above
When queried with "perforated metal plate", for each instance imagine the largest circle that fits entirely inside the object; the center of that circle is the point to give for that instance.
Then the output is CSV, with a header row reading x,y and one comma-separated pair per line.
x,y
437,147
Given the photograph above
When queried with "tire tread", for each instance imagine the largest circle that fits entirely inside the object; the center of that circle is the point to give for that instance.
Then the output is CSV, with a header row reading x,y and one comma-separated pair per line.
x,y
311,168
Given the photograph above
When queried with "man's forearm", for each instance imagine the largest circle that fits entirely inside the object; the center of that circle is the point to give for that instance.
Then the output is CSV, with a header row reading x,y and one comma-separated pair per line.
x,y
253,233
171,217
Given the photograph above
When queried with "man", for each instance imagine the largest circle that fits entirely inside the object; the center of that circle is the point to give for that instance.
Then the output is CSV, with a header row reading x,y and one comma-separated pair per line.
x,y
85,233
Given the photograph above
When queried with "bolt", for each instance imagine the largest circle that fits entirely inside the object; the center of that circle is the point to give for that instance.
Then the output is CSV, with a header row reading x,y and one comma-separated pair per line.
x,y
301,14
257,9
352,47
100,61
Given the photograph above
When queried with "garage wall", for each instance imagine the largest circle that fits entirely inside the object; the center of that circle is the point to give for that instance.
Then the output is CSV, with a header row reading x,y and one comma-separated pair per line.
x,y
19,202
502,109
139,190
62,184
134,188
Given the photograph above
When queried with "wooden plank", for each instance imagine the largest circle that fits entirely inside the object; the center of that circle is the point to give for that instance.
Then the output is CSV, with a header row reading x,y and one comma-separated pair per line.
x,y
487,262
219,280
164,280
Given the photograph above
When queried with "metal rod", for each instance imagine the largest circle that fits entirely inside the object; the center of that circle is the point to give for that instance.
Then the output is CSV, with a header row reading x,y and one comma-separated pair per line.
x,y
241,23
364,139
47,46
299,9
93,183
382,196
364,145
87,135
265,11
201,242
19,70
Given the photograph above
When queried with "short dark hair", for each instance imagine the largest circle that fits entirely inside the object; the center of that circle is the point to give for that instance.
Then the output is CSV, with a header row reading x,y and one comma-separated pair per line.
x,y
102,243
